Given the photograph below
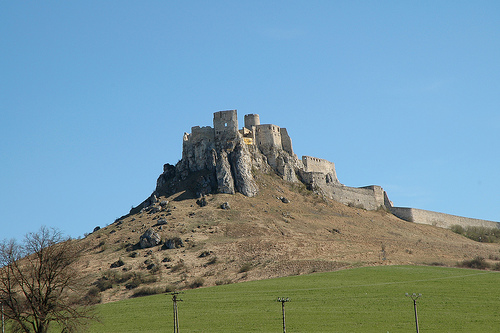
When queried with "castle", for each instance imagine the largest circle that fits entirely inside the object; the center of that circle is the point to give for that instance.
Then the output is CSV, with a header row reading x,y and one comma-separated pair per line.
x,y
228,153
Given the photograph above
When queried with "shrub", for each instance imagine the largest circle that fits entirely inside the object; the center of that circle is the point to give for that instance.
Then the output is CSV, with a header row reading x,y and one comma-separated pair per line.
x,y
198,282
92,297
146,291
245,268
138,279
103,284
122,278
458,229
476,263
118,263
169,288
134,283
178,267
478,234
223,281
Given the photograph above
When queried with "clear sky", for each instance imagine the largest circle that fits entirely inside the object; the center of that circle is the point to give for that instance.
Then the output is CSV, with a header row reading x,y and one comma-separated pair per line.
x,y
96,95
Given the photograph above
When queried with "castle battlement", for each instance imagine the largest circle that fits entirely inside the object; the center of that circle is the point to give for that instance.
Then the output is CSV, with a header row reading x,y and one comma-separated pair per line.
x,y
318,174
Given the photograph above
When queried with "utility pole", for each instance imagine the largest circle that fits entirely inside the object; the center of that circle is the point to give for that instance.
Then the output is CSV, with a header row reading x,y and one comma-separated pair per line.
x,y
414,298
283,300
176,314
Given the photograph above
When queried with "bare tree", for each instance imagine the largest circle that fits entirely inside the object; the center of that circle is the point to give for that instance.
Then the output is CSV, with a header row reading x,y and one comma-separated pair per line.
x,y
39,284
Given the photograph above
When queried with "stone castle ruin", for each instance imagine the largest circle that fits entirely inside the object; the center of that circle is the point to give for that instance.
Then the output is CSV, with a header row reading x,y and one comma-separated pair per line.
x,y
220,159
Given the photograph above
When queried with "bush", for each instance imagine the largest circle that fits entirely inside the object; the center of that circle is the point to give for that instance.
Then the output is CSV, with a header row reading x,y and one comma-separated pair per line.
x,y
138,279
223,281
122,278
92,297
169,288
146,291
476,263
180,266
134,283
103,284
198,282
478,234
245,268
118,263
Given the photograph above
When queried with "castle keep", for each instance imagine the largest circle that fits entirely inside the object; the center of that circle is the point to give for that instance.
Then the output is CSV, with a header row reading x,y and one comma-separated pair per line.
x,y
221,158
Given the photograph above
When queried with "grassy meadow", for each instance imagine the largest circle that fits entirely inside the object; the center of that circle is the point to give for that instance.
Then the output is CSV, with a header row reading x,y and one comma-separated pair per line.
x,y
368,299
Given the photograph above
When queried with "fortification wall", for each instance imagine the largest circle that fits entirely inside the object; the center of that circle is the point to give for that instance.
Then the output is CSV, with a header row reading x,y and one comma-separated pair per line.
x,y
369,198
251,120
286,141
314,164
225,123
201,133
267,136
439,219
197,147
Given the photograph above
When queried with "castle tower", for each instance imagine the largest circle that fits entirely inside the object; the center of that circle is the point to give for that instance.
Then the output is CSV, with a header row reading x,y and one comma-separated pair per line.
x,y
225,123
251,120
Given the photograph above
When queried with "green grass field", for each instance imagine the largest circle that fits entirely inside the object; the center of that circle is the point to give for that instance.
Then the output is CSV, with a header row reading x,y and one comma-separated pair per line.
x,y
370,299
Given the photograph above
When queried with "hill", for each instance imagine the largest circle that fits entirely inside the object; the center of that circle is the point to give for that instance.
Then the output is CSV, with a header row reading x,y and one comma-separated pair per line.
x,y
283,230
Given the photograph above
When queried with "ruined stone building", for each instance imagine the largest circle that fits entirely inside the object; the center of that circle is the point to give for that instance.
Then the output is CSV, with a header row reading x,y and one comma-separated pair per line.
x,y
220,159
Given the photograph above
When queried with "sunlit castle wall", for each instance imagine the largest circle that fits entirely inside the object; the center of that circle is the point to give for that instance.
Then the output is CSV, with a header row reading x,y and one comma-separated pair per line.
x,y
268,136
225,123
286,141
251,120
437,219
314,164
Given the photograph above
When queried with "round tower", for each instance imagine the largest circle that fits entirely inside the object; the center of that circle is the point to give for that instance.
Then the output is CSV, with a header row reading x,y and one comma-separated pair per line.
x,y
251,120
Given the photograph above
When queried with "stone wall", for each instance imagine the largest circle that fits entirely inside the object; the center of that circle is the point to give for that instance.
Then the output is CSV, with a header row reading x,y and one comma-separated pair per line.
x,y
286,141
369,197
439,219
225,123
251,120
267,136
202,133
314,164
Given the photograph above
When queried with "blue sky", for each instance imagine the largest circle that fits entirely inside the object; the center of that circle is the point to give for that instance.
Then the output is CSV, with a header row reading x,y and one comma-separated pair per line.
x,y
96,95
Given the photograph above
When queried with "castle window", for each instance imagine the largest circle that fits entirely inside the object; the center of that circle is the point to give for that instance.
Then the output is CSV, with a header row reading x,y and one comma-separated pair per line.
x,y
225,124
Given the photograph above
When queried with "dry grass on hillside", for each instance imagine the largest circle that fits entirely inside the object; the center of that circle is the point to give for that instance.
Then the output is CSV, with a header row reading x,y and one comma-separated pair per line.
x,y
260,238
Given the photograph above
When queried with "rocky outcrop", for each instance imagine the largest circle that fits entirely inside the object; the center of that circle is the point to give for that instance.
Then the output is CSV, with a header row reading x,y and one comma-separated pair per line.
x,y
225,181
222,160
149,239
242,169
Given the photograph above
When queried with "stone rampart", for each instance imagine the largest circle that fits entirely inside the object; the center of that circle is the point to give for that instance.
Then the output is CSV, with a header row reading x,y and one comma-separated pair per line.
x,y
202,133
251,120
369,197
203,150
267,136
439,219
286,141
225,123
314,164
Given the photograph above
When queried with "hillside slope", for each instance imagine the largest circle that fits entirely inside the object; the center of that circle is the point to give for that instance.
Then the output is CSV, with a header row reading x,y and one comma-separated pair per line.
x,y
258,238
